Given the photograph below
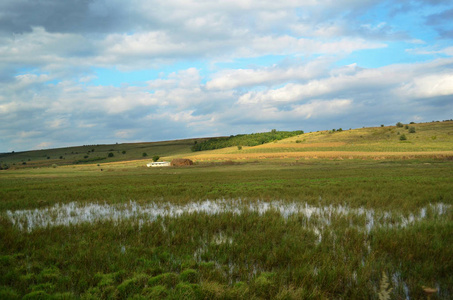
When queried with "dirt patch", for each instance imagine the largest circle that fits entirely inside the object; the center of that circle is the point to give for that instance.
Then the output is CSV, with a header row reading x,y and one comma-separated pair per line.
x,y
177,162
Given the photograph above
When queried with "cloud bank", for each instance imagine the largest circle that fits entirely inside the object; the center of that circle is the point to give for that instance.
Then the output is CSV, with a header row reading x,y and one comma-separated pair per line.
x,y
89,72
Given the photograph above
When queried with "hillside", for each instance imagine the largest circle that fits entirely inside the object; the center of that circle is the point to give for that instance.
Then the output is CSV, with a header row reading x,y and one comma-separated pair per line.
x,y
96,153
434,139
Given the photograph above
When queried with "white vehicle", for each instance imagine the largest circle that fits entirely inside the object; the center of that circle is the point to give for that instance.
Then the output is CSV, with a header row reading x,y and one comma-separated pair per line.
x,y
159,164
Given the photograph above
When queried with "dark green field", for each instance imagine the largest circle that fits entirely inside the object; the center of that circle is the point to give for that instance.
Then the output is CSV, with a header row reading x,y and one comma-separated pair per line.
x,y
226,255
248,229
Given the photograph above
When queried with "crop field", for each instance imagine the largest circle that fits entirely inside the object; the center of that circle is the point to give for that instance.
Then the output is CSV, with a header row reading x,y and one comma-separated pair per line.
x,y
275,225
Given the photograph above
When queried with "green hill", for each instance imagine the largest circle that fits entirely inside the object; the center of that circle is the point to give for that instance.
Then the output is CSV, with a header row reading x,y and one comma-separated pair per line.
x,y
96,153
433,137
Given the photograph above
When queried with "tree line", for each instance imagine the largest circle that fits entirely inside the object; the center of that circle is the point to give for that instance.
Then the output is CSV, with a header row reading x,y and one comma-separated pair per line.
x,y
239,140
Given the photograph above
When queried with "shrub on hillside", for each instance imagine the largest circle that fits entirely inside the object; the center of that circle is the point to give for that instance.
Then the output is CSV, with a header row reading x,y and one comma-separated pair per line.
x,y
399,124
253,139
411,129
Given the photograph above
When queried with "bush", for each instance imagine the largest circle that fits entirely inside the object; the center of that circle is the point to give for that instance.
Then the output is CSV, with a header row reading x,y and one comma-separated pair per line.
x,y
403,137
411,129
111,154
189,275
251,140
399,124
167,279
156,157
144,154
156,292
37,295
239,147
8,293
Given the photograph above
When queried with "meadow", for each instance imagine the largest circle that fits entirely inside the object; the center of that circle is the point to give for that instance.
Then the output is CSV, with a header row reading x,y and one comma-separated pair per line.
x,y
275,228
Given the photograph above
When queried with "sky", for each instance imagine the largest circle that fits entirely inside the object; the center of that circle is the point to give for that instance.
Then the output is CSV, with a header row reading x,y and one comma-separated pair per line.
x,y
85,72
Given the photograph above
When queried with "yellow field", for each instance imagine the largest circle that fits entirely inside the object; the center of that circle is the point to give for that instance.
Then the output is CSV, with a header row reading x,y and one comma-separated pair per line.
x,y
322,154
293,145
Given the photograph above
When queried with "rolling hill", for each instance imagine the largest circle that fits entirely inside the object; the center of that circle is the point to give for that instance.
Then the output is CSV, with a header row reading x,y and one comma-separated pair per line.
x,y
434,139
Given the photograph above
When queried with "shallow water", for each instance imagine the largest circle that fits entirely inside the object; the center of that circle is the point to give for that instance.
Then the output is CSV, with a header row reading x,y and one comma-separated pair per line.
x,y
315,217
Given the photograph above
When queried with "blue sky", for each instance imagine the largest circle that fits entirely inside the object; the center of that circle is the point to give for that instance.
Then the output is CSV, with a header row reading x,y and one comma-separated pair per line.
x,y
105,71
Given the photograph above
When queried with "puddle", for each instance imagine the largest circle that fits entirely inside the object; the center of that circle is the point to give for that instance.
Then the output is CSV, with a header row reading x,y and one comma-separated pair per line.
x,y
315,217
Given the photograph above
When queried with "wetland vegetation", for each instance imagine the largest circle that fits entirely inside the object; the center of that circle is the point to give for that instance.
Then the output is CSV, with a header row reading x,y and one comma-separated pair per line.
x,y
249,229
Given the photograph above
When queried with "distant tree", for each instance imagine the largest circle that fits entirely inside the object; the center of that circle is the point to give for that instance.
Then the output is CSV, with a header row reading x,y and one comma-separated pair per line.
x,y
156,157
399,124
111,154
340,129
144,154
382,125
403,137
406,127
239,147
411,129
124,152
274,130
61,157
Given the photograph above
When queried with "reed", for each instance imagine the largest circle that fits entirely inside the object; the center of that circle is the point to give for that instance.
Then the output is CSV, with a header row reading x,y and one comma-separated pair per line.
x,y
239,231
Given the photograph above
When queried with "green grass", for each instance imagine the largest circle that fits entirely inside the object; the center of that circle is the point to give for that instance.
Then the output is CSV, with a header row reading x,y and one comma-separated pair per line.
x,y
434,136
428,137
226,255
96,153
375,226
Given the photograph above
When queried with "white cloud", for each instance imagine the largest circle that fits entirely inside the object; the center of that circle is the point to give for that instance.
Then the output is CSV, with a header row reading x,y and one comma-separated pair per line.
x,y
428,86
125,133
234,78
48,57
43,145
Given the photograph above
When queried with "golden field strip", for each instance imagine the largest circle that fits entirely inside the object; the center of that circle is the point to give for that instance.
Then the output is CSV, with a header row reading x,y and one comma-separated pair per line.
x,y
323,154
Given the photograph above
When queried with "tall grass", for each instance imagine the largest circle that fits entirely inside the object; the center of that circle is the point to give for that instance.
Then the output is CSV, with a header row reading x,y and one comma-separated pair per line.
x,y
269,231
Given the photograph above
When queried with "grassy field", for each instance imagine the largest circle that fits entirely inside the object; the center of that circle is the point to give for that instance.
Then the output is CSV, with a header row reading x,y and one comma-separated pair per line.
x,y
429,140
96,154
275,228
